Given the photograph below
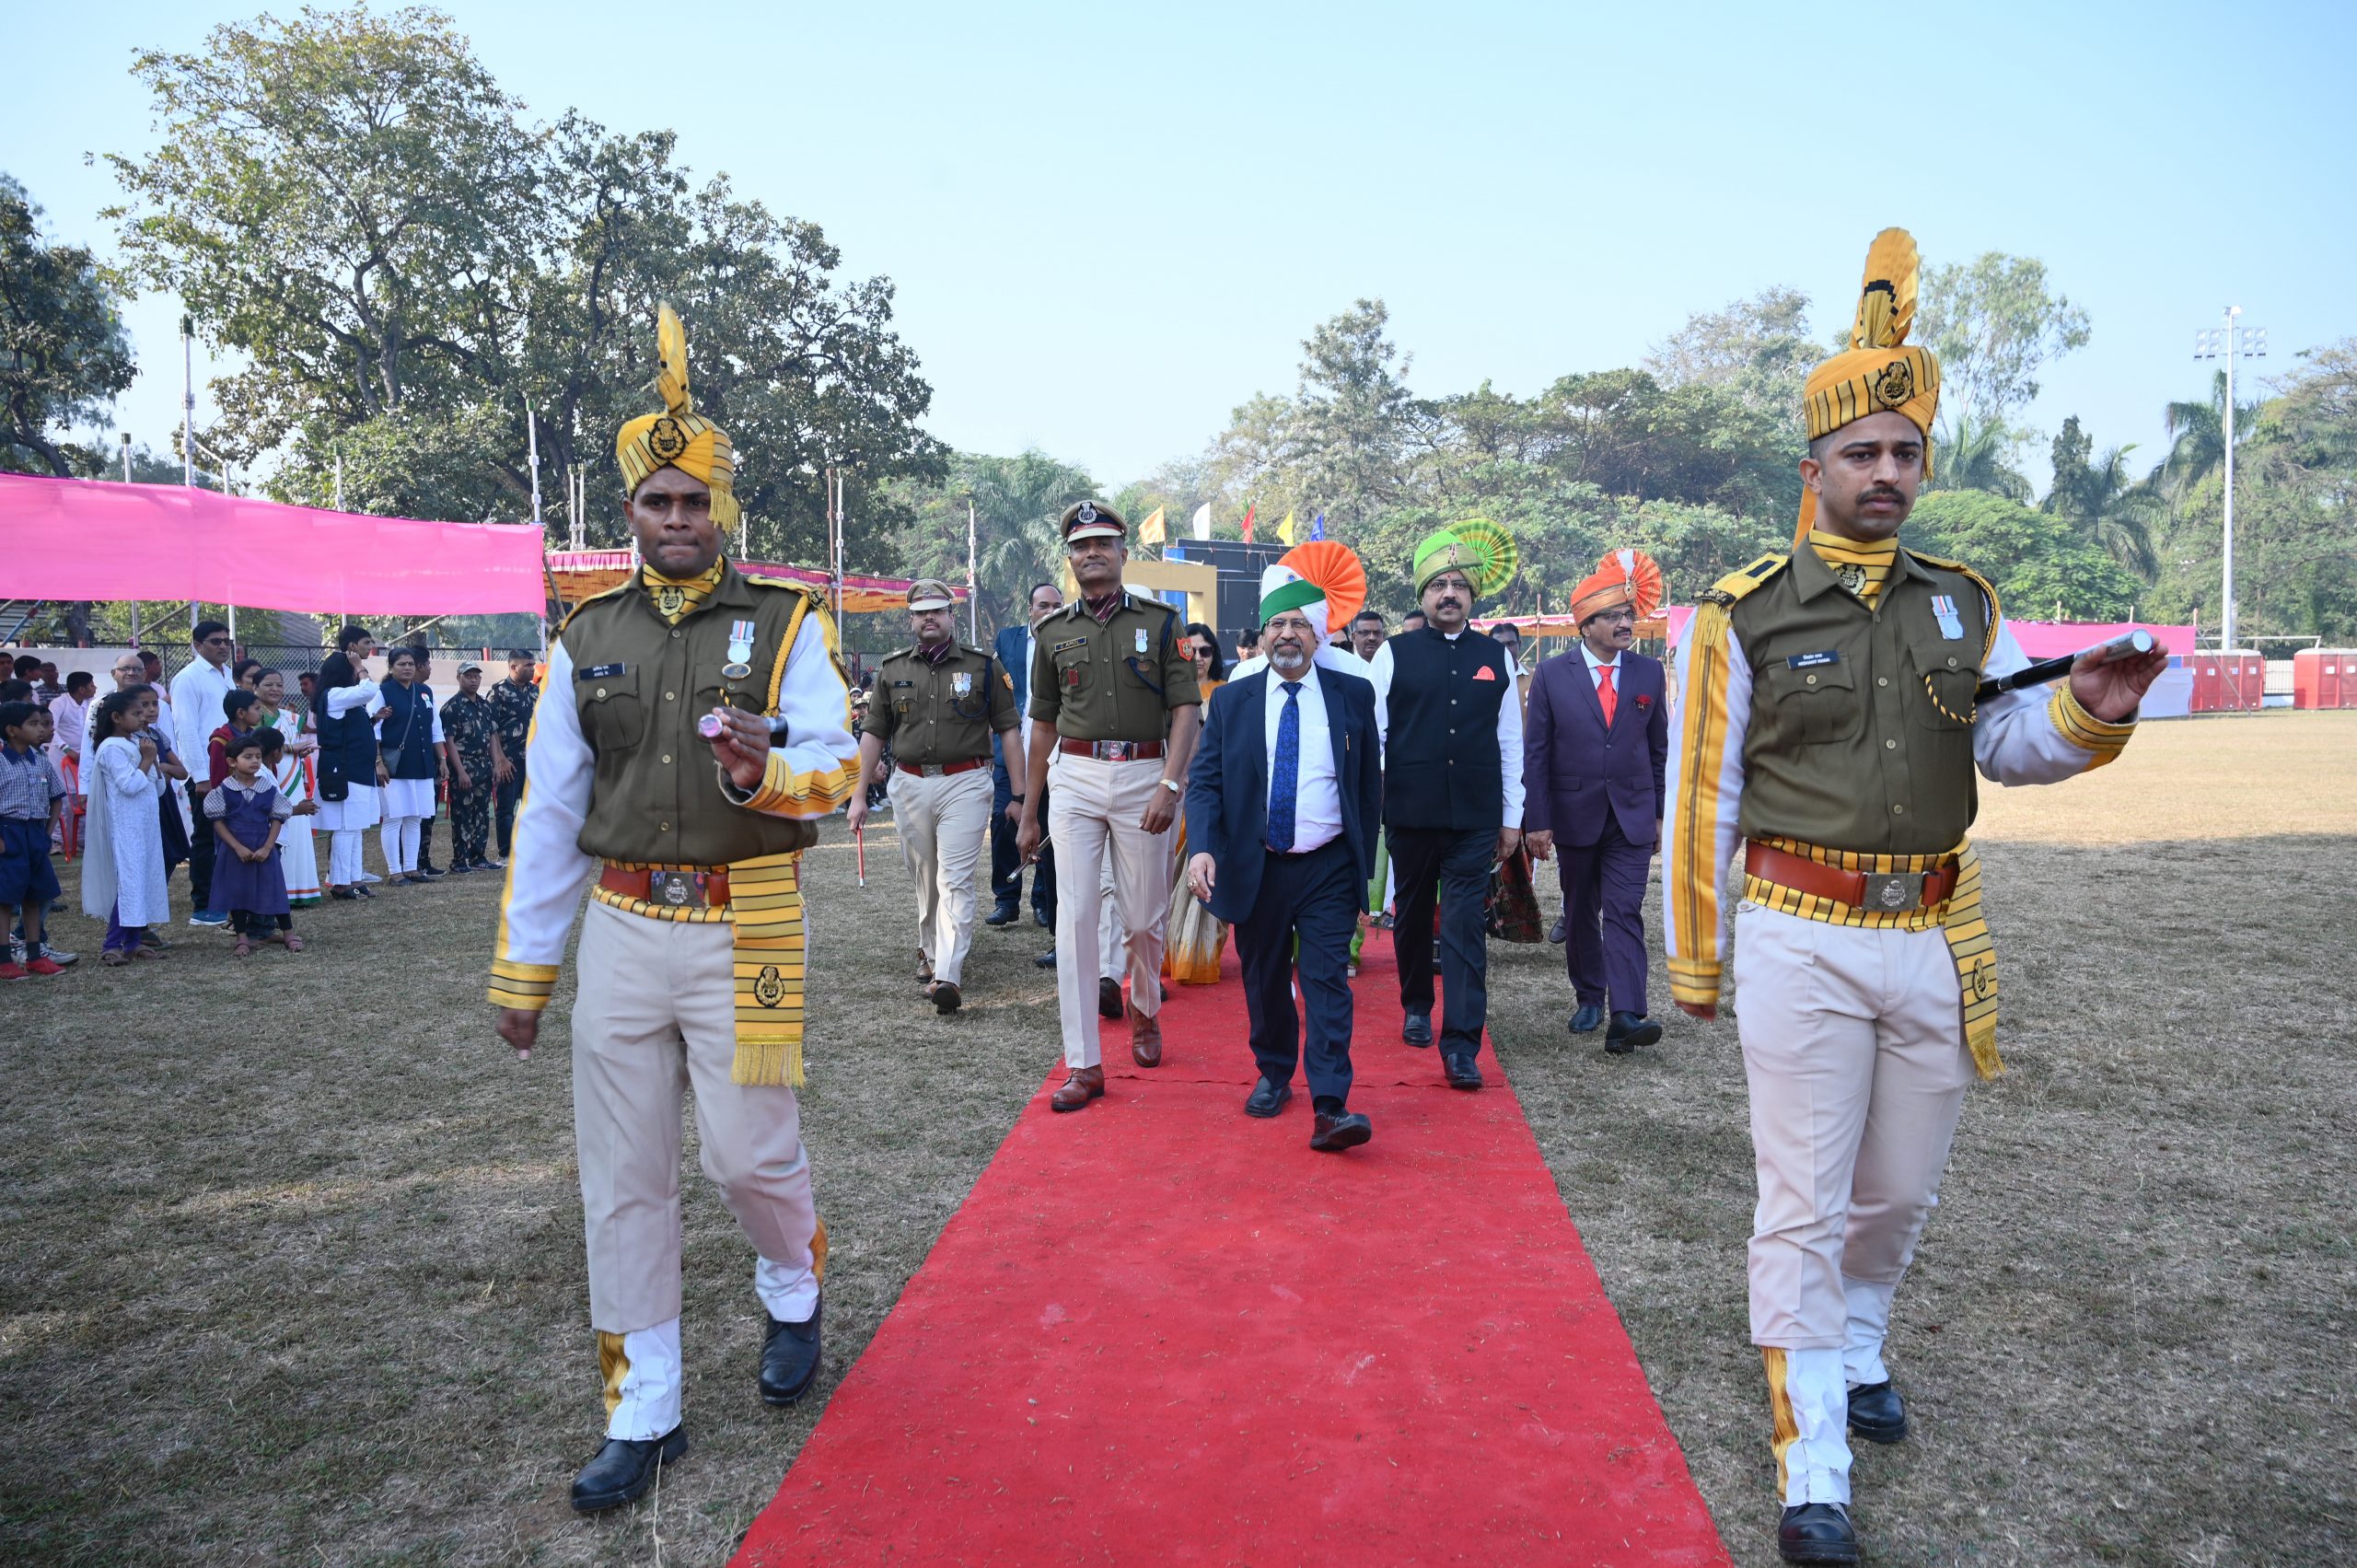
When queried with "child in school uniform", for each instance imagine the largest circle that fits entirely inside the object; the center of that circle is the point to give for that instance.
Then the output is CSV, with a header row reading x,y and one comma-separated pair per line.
x,y
32,793
250,885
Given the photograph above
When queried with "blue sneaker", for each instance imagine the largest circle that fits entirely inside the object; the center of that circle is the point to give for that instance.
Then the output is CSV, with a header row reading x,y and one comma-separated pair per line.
x,y
211,919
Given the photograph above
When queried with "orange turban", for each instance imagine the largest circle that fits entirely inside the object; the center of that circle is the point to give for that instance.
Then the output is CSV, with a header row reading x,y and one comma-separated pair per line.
x,y
678,437
1624,576
1880,373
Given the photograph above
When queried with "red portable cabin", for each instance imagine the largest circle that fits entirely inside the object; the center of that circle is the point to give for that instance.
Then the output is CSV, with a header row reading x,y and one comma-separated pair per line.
x,y
2232,681
2324,678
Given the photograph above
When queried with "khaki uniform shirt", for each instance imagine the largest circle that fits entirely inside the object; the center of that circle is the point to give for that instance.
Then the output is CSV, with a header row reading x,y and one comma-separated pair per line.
x,y
930,714
1115,681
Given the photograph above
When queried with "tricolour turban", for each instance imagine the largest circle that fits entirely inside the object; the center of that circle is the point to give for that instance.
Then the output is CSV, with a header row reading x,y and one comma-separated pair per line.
x,y
678,437
1880,372
1624,576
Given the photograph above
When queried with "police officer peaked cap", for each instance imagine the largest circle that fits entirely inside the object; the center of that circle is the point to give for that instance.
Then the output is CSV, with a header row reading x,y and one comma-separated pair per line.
x,y
930,593
1092,519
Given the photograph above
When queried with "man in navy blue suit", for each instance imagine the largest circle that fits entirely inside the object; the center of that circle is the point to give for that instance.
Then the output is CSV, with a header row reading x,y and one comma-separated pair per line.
x,y
1594,743
1283,802
1015,651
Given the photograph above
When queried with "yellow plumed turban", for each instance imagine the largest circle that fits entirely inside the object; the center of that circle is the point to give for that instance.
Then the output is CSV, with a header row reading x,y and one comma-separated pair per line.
x,y
678,437
1880,373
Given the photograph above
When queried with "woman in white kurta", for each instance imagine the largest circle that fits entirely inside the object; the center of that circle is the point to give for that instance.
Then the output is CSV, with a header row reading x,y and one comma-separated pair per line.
x,y
408,802
122,879
298,856
344,820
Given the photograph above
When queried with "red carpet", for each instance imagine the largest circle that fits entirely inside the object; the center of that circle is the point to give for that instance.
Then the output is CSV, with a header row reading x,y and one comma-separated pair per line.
x,y
1160,1331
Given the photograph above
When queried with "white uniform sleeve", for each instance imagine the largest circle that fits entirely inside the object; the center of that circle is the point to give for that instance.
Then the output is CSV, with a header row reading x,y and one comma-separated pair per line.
x,y
811,774
1378,674
2040,735
1510,745
434,709
343,699
547,870
1704,780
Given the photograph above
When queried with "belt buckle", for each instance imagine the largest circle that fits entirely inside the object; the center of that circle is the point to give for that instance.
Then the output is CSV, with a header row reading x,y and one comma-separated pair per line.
x,y
676,889
1891,891
1113,751
929,770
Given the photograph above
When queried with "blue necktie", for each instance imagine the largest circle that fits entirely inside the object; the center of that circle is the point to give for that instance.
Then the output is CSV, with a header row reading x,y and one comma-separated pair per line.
x,y
1284,776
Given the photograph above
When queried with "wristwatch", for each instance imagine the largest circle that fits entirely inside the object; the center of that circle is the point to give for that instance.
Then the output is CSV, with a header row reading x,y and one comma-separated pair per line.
x,y
1016,798
1172,785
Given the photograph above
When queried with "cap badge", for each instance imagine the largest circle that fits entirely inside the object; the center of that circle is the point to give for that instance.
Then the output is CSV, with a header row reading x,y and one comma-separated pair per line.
x,y
1852,576
1087,513
667,440
1896,384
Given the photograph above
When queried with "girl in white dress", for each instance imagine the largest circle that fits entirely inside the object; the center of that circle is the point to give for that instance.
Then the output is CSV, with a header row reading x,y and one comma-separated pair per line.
x,y
344,689
122,878
297,855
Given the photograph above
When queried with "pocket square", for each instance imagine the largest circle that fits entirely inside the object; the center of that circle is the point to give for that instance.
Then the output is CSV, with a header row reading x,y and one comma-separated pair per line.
x,y
1485,673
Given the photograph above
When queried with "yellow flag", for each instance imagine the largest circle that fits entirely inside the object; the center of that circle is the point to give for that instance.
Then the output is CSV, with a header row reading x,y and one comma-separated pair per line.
x,y
1151,530
1284,530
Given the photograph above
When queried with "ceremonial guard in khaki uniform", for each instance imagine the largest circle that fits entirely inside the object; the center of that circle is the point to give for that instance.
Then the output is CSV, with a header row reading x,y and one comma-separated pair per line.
x,y
936,706
1828,719
1114,697
692,950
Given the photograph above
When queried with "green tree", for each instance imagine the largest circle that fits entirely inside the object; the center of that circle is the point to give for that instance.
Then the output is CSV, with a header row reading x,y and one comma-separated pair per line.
x,y
407,266
63,355
2197,434
1759,349
1971,454
2107,503
1995,324
1016,502
2042,569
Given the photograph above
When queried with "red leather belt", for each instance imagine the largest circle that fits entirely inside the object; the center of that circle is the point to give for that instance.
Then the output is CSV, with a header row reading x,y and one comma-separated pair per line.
x,y
941,770
1111,751
670,889
1860,889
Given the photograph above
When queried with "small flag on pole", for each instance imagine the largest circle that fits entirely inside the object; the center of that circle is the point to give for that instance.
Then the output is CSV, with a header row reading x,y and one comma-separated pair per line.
x,y
1248,523
1152,530
1203,520
1284,530
1317,525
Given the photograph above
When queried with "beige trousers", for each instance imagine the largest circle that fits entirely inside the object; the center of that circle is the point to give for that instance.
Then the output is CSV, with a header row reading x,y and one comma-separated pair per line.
x,y
1092,805
656,1016
943,822
1853,1047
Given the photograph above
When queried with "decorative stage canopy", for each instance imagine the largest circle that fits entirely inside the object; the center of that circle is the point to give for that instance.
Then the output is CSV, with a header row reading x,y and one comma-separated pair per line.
x,y
70,538
578,574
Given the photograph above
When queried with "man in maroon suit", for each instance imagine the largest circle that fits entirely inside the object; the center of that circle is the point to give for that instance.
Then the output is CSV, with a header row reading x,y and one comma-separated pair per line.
x,y
1594,742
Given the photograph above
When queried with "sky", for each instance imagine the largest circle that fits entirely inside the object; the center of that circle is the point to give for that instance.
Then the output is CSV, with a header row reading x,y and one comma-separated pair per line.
x,y
1109,226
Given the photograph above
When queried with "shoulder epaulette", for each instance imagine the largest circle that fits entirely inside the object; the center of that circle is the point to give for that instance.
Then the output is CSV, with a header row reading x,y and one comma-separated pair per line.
x,y
1988,590
759,581
1734,584
622,586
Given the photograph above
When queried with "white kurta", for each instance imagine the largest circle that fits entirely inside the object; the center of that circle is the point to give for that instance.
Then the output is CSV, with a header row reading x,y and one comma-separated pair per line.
x,y
298,854
360,808
125,830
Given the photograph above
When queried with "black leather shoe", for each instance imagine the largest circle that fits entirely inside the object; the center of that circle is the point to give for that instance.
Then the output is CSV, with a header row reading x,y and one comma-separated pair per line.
x,y
1332,1134
1046,961
1877,1413
1629,1031
1817,1532
790,1359
1109,998
1044,919
431,873
344,894
1418,1029
1463,1073
946,996
1267,1098
624,1468
1557,933
1004,915
1586,1020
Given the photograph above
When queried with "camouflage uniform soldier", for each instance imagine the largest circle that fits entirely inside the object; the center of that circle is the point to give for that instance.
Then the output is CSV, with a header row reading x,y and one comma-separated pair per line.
x,y
472,727
511,706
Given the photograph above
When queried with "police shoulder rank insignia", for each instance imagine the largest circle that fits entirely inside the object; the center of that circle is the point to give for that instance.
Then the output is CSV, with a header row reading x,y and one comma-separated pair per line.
x,y
1951,625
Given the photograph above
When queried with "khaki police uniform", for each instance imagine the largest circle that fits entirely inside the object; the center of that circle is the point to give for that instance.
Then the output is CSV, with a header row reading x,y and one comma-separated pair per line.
x,y
1835,738
623,800
1109,686
937,718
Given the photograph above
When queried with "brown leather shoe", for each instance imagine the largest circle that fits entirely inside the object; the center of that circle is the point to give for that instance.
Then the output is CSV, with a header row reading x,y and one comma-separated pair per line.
x,y
1081,1086
1145,1038
946,996
925,971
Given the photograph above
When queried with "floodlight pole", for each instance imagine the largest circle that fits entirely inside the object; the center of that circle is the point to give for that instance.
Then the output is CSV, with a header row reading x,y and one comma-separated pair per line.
x,y
2226,620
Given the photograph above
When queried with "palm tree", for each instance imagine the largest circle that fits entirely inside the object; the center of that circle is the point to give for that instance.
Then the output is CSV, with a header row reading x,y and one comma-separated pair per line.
x,y
2198,439
1978,455
1016,502
2117,512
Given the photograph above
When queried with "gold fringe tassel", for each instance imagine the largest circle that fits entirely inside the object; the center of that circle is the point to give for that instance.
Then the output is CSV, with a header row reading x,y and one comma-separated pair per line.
x,y
765,907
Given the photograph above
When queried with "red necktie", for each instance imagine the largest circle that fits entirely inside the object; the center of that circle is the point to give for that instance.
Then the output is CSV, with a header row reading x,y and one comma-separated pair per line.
x,y
1604,692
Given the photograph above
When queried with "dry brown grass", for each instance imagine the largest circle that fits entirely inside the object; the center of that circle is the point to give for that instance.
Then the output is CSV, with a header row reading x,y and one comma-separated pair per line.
x,y
291,1262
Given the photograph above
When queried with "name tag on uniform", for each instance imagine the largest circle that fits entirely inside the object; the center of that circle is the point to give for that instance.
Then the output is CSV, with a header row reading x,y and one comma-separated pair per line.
x,y
601,671
1951,625
1811,661
904,683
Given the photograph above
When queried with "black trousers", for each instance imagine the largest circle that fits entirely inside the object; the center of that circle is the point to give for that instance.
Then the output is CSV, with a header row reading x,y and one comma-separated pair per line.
x,y
1458,863
200,843
1007,865
1604,905
1315,898
505,799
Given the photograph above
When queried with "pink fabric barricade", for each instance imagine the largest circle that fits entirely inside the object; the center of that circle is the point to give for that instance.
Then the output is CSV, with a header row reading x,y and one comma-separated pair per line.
x,y
66,539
